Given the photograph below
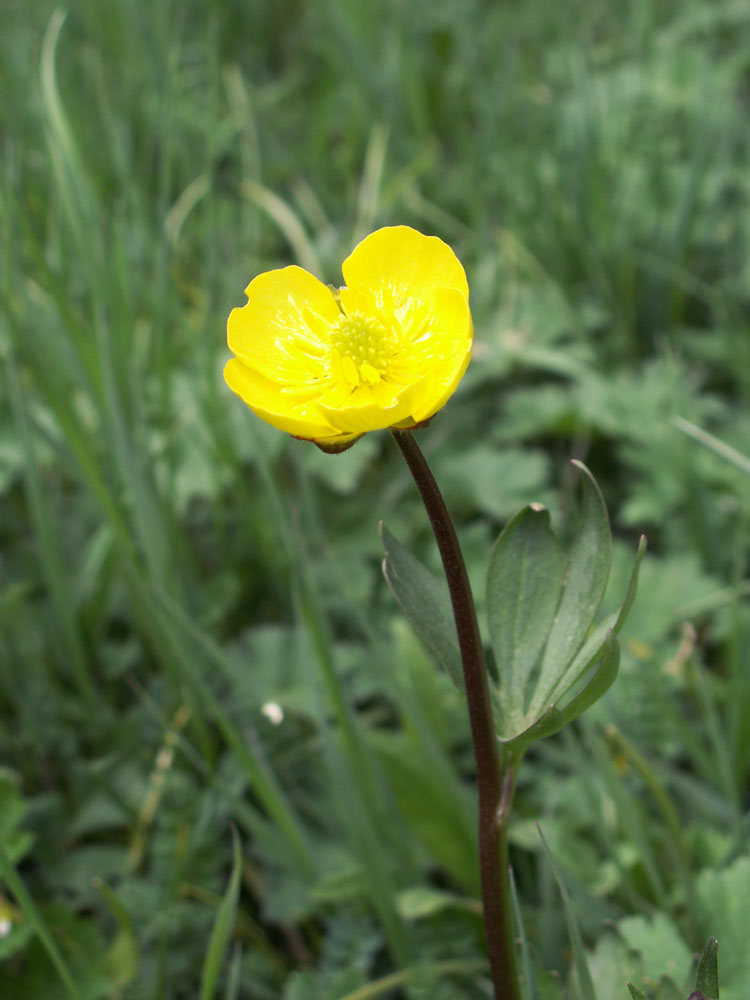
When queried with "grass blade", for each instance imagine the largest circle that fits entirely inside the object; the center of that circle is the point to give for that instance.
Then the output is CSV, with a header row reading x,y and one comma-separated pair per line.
x,y
585,983
222,929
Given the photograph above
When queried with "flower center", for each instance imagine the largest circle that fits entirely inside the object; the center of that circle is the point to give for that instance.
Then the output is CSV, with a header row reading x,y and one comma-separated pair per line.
x,y
363,346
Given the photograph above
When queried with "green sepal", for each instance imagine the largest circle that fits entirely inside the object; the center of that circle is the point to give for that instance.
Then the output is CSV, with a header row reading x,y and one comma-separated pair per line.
x,y
425,601
334,447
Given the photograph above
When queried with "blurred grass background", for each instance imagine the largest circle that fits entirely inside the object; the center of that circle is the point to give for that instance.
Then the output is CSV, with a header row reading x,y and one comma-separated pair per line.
x,y
194,632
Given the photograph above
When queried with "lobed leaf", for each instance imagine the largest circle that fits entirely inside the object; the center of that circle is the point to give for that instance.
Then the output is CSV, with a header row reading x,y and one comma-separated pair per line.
x,y
540,608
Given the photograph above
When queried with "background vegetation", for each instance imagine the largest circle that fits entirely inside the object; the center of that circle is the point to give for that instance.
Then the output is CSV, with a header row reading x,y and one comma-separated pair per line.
x,y
196,643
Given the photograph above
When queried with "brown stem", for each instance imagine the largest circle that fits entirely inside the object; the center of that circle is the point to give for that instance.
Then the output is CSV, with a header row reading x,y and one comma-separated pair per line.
x,y
495,788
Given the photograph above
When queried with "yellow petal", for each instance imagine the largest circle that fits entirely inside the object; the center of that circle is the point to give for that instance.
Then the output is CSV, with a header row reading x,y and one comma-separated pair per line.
x,y
398,263
281,331
372,408
276,405
443,350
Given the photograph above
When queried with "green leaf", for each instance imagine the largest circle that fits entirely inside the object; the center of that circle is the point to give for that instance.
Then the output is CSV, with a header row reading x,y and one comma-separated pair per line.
x,y
525,579
660,945
302,986
122,954
600,645
222,929
540,608
630,593
602,679
589,562
493,481
547,725
593,647
707,976
612,965
425,601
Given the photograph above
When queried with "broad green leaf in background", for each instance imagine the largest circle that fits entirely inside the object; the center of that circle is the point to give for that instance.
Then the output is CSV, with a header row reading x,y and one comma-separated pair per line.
x,y
661,947
611,966
724,903
302,986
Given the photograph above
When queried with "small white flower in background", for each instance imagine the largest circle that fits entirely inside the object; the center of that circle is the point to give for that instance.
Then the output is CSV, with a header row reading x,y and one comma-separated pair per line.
x,y
6,926
273,712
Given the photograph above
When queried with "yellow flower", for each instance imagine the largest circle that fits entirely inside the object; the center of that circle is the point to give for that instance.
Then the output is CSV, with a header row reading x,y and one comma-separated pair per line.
x,y
387,350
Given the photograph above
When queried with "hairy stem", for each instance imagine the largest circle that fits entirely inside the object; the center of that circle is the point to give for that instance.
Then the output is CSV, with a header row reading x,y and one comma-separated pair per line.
x,y
494,782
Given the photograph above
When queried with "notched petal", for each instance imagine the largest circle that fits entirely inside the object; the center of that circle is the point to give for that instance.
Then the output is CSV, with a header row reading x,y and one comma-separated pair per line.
x,y
285,318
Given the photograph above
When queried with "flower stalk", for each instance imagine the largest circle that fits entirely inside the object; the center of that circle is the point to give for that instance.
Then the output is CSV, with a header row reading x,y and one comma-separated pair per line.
x,y
495,777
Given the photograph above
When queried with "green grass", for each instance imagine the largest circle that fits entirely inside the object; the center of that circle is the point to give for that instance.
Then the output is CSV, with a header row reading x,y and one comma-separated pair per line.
x,y
169,566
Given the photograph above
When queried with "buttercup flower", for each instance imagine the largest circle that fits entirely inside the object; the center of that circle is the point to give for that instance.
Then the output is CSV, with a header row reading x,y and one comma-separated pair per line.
x,y
386,350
